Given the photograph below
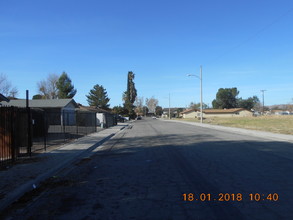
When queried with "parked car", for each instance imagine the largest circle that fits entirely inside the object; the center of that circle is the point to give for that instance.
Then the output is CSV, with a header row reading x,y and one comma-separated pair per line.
x,y
120,118
138,117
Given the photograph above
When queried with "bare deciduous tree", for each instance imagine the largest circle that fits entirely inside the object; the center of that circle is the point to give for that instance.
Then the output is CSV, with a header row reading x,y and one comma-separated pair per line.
x,y
139,105
151,104
6,88
48,88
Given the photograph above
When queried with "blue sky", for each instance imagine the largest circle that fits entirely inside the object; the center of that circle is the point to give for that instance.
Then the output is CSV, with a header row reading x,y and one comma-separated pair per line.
x,y
244,44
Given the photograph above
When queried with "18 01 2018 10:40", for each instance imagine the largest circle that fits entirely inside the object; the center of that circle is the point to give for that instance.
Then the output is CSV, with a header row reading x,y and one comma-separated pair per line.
x,y
225,197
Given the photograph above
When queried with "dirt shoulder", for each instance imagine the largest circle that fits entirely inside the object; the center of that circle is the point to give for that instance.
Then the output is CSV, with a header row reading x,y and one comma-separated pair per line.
x,y
276,124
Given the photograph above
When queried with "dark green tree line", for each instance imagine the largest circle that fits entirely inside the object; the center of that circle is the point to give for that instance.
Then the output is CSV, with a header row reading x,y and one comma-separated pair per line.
x,y
228,98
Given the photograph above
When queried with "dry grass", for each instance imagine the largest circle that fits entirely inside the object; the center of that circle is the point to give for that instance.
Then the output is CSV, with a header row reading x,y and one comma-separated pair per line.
x,y
278,124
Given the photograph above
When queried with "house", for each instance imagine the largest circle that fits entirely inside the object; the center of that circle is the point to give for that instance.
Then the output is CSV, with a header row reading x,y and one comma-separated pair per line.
x,y
232,112
174,112
103,118
3,98
189,113
58,111
280,112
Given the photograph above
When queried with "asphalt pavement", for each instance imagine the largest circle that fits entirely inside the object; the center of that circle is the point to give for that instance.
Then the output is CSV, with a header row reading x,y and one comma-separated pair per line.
x,y
169,170
27,174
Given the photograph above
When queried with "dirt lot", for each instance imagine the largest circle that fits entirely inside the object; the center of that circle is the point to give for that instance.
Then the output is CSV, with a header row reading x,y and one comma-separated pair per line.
x,y
278,124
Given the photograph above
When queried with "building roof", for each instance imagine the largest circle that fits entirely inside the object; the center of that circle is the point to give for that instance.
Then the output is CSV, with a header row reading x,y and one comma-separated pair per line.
x,y
41,103
172,109
3,98
189,110
93,109
223,111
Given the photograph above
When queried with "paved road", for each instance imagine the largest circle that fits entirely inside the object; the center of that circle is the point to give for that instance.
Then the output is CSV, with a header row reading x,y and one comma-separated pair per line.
x,y
144,171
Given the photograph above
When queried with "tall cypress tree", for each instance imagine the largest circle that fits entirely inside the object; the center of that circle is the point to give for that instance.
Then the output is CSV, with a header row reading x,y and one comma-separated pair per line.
x,y
65,87
129,95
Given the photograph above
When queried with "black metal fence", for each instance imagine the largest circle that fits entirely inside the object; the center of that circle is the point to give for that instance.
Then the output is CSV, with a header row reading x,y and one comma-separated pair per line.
x,y
14,134
24,131
55,127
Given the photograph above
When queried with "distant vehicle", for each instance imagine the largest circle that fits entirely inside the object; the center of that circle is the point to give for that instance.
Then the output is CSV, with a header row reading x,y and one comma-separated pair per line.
x,y
138,118
120,118
154,117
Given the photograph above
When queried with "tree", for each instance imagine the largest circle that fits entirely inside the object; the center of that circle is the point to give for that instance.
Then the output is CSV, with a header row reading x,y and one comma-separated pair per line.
x,y
151,104
197,105
13,93
37,96
145,110
139,105
249,103
129,95
226,98
119,110
6,88
65,87
98,97
48,88
178,111
159,110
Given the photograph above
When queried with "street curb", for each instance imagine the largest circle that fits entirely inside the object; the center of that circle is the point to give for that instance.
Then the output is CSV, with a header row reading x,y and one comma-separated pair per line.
x,y
255,133
20,191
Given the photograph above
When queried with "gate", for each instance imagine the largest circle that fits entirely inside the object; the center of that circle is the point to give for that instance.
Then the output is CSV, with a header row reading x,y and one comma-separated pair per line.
x,y
14,136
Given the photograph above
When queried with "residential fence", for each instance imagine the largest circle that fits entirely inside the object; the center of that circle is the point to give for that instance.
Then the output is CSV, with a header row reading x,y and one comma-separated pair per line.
x,y
24,131
55,127
15,136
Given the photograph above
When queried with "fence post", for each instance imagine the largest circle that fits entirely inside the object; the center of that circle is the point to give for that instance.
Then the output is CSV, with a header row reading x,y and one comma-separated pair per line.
x,y
12,142
76,122
95,120
29,132
63,124
45,130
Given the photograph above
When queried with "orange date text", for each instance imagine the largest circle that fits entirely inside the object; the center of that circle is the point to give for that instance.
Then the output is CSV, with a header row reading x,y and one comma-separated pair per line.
x,y
226,197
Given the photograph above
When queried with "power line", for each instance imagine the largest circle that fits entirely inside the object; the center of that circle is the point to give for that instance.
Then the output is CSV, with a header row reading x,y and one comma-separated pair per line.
x,y
253,36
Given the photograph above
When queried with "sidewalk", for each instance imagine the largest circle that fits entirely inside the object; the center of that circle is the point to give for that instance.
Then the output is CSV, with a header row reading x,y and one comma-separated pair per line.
x,y
26,176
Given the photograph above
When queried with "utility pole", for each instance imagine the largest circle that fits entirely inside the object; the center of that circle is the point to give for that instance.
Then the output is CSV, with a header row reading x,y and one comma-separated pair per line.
x,y
169,108
263,100
201,116
200,78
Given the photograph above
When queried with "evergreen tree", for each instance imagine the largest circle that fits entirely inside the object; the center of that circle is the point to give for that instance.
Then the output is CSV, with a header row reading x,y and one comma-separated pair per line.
x,y
248,103
129,95
226,98
98,97
65,88
38,96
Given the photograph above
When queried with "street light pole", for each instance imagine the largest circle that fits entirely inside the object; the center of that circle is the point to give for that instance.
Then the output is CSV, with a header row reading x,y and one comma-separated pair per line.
x,y
200,78
169,108
263,100
201,116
